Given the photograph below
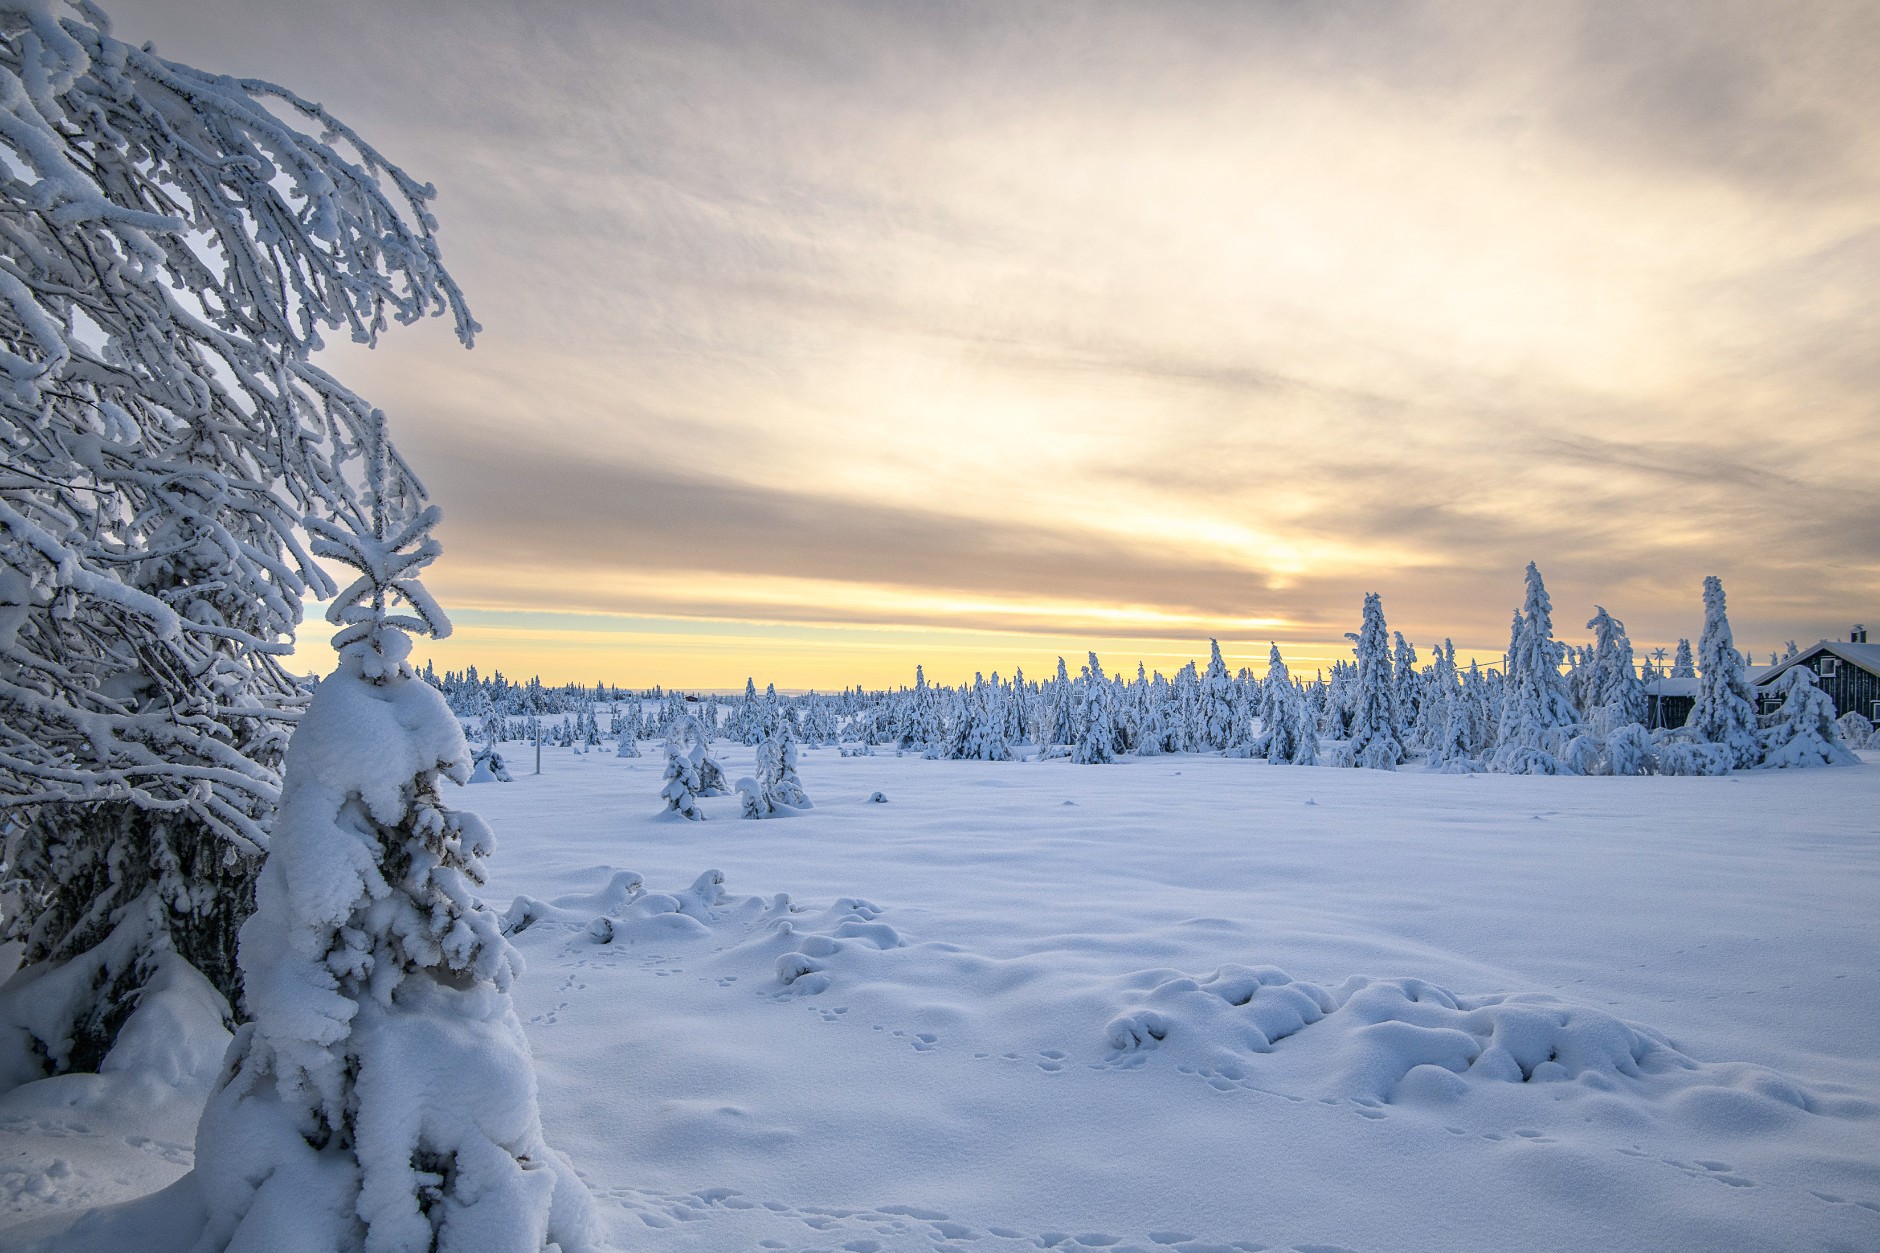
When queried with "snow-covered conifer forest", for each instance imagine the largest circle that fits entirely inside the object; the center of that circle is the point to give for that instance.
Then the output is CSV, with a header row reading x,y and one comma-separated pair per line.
x,y
310,952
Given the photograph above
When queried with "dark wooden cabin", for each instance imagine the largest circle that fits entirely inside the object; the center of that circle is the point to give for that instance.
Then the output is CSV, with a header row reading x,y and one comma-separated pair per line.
x,y
1849,672
1668,702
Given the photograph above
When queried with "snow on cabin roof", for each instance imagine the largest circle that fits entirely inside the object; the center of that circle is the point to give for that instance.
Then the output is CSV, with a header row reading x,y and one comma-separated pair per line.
x,y
1866,656
1671,687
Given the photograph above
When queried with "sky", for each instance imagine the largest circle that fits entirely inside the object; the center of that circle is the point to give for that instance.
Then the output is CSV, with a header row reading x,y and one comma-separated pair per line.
x,y
821,340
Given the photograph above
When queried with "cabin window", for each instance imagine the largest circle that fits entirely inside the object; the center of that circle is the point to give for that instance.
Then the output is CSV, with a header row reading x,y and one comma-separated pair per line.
x,y
1828,666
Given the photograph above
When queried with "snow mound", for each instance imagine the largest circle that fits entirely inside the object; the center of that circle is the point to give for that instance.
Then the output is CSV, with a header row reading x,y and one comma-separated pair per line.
x,y
1224,1005
175,1035
800,944
844,933
76,1140
1403,1039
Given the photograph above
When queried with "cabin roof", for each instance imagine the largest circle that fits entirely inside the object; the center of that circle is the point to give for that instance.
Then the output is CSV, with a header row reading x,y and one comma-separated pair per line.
x,y
1866,656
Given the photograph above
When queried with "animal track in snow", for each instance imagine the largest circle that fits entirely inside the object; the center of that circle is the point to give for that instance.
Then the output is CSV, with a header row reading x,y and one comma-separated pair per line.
x,y
728,1219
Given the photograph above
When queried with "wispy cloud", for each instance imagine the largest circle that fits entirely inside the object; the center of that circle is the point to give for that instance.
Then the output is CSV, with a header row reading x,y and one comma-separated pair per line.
x,y
1182,317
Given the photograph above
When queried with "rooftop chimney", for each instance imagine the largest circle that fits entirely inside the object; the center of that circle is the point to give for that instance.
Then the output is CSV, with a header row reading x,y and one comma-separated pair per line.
x,y
1858,635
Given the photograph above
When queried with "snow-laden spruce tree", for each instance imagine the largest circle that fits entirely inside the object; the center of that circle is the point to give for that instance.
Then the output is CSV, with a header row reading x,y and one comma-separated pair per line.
x,y
1217,702
922,725
747,719
1483,689
1614,695
1012,708
1288,731
1802,731
776,791
1376,730
1058,710
1452,722
1096,731
383,1096
1431,704
977,731
1406,688
1724,712
1191,734
1336,699
819,723
1537,715
1154,726
173,245
1264,712
1683,665
1156,732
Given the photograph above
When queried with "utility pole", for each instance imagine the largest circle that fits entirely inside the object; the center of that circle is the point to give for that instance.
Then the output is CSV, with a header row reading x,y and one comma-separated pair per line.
x,y
535,719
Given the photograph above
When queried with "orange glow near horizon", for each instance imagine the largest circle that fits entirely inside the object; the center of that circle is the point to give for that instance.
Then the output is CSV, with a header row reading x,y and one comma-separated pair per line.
x,y
873,658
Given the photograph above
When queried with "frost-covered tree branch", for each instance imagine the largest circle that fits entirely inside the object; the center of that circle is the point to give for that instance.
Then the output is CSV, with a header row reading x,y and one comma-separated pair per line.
x,y
173,246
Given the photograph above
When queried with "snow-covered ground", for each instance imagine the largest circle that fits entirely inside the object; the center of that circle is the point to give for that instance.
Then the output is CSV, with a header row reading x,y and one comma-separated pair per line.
x,y
1175,1003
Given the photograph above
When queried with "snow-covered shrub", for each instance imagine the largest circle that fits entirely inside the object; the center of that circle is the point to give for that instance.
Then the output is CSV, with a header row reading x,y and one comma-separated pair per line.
x,y
1629,751
776,791
383,1096
488,766
1584,754
711,776
689,766
175,246
1679,752
1856,731
686,769
1802,731
1450,754
625,747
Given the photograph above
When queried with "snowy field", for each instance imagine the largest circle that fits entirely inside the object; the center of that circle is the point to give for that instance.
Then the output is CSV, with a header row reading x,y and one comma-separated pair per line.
x,y
1177,1003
